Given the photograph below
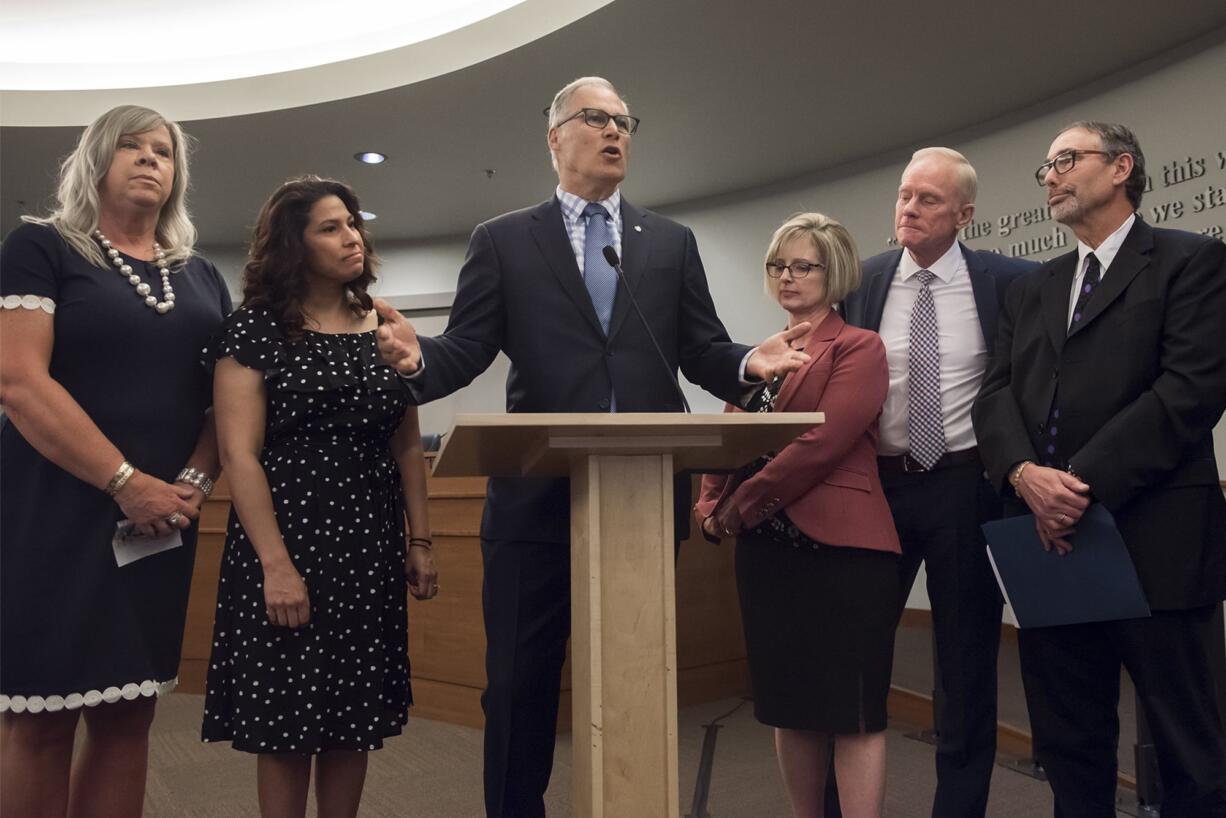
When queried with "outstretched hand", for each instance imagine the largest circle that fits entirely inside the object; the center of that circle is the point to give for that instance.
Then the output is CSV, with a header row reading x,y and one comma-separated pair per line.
x,y
397,339
775,356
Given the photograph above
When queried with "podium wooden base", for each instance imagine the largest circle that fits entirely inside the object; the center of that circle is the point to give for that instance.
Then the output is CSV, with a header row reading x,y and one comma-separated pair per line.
x,y
623,637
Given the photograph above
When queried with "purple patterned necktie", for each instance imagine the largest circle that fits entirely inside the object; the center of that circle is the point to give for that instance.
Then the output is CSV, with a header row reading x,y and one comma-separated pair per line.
x,y
925,427
1092,277
1089,282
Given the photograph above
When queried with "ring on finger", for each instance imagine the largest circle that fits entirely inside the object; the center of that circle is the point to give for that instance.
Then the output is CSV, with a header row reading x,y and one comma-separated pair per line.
x,y
173,519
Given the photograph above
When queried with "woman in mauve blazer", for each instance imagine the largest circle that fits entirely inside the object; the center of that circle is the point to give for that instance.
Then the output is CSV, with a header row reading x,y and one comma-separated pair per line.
x,y
816,549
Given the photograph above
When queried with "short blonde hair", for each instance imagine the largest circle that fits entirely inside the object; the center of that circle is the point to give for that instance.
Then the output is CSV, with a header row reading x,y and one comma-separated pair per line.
x,y
75,216
836,249
968,180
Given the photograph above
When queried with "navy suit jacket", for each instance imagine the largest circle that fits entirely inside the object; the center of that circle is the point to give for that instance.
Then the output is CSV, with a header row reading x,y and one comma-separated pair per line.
x,y
1142,382
990,274
521,292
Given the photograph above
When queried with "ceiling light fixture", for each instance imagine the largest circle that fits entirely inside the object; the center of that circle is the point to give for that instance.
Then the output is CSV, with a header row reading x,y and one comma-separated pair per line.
x,y
370,157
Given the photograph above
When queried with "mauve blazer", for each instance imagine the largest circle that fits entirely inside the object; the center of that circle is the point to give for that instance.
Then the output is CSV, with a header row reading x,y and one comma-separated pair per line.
x,y
826,479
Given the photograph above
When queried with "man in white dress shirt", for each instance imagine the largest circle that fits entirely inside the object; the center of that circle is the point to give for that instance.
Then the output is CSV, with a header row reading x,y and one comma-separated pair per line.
x,y
935,304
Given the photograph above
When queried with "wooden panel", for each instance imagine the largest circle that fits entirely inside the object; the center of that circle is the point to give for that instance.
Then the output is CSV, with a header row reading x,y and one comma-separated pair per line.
x,y
202,599
459,516
446,634
456,487
191,675
202,603
712,682
708,609
215,514
443,701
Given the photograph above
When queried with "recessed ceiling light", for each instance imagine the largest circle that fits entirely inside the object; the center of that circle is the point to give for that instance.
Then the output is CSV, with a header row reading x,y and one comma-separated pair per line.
x,y
367,216
370,157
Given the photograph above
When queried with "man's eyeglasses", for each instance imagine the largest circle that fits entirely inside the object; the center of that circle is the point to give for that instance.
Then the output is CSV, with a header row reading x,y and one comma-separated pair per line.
x,y
1064,162
596,118
798,269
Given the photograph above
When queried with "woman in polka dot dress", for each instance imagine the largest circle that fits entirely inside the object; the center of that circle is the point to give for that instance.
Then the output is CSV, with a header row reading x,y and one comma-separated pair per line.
x,y
324,459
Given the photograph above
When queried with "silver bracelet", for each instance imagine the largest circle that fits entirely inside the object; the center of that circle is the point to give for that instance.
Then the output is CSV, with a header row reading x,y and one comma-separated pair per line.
x,y
120,479
195,477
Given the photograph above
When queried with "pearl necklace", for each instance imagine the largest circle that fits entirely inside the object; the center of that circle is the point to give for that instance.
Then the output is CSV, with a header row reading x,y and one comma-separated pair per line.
x,y
142,289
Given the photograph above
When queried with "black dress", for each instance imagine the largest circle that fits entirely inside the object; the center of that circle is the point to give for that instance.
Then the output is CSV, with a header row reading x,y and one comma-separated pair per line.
x,y
76,629
340,682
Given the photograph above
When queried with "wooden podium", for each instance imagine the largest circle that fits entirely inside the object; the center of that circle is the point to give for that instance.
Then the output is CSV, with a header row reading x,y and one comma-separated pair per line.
x,y
623,629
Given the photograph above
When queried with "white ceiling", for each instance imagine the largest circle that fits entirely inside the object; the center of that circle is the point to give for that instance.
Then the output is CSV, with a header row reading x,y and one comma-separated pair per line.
x,y
732,95
234,57
272,36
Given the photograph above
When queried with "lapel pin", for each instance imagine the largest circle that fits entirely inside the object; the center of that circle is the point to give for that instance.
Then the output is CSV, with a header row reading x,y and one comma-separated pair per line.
x,y
638,228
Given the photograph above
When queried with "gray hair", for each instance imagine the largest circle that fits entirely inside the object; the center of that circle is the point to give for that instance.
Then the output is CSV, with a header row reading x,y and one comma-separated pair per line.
x,y
1117,140
561,101
75,216
968,180
836,250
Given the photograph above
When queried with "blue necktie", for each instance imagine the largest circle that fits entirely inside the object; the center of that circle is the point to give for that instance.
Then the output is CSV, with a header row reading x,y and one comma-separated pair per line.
x,y
600,278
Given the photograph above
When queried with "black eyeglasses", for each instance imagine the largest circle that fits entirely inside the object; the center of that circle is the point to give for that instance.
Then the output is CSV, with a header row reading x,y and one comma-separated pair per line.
x,y
596,118
1064,162
798,269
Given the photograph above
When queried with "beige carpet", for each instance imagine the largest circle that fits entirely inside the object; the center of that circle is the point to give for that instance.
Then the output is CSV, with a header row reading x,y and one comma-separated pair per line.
x,y
434,771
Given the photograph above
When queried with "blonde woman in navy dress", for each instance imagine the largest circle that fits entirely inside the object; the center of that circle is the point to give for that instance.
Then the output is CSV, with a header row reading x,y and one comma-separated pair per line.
x,y
105,309
324,460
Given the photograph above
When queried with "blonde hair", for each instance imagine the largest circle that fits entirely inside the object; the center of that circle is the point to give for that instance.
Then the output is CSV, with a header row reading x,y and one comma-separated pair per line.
x,y
75,216
968,180
836,250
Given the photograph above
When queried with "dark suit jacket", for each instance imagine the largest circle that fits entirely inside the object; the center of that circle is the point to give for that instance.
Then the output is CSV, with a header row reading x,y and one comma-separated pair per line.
x,y
520,291
826,479
1142,383
990,274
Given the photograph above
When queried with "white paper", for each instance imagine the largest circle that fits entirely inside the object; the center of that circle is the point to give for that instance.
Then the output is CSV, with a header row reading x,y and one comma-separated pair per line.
x,y
130,546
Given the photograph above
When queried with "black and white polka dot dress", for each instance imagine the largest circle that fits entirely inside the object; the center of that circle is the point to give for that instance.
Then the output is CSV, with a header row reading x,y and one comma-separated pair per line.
x,y
342,680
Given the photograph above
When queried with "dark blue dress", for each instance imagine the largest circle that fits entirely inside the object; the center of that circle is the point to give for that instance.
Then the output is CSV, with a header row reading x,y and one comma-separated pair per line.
x,y
75,629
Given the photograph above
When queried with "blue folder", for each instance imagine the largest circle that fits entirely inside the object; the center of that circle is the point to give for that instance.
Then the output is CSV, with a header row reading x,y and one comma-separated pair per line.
x,y
1095,582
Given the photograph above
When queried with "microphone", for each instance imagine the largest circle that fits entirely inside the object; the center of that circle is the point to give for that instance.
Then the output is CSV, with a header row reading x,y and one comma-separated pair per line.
x,y
610,255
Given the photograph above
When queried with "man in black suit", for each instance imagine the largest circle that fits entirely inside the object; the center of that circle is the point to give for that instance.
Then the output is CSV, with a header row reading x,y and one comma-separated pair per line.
x,y
536,285
1109,376
939,497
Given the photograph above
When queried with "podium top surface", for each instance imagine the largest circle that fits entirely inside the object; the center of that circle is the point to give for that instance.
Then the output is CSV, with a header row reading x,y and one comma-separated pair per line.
x,y
545,444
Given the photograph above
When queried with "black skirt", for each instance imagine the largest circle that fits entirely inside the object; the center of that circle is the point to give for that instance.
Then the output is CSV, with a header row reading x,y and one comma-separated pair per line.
x,y
819,628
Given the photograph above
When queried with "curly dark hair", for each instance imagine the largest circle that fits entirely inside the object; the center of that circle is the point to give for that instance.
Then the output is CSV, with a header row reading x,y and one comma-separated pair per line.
x,y
275,275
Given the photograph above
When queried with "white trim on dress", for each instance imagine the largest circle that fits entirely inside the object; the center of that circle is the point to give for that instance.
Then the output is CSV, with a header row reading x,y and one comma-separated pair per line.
x,y
90,698
28,302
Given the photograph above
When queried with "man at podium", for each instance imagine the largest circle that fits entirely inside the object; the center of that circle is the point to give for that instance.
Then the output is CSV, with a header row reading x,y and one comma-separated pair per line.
x,y
542,285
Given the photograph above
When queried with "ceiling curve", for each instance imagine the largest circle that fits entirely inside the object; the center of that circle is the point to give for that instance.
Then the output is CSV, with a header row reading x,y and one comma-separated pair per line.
x,y
234,57
733,95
